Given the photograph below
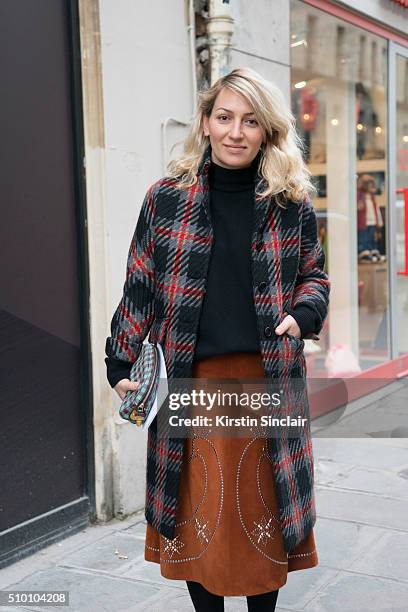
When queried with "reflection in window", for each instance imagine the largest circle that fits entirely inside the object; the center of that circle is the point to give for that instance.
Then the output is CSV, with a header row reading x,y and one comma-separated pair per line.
x,y
339,99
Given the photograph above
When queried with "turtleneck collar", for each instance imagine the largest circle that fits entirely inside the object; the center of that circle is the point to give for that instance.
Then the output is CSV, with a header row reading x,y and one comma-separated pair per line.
x,y
233,179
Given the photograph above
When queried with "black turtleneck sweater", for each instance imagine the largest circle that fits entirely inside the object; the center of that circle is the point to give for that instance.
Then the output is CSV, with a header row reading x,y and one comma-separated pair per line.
x,y
228,320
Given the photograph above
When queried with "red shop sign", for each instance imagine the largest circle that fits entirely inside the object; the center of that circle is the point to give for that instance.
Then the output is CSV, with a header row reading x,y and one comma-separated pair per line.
x,y
403,3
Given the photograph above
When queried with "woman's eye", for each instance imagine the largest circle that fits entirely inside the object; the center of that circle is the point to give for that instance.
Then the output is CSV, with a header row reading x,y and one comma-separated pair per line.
x,y
251,122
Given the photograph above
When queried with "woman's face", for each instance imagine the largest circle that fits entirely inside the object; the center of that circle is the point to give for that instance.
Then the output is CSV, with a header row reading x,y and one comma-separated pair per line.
x,y
235,134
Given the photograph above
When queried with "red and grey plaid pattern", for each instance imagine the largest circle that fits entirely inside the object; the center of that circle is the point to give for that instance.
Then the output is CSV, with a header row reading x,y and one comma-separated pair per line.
x,y
165,284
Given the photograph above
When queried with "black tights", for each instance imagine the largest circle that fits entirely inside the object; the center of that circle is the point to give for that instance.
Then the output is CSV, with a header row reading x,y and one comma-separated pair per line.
x,y
204,601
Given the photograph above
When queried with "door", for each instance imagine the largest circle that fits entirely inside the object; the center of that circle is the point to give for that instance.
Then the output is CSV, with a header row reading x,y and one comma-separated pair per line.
x,y
42,350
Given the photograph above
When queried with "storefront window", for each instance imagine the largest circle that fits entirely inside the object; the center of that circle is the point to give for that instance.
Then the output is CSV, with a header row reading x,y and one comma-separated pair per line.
x,y
402,202
339,99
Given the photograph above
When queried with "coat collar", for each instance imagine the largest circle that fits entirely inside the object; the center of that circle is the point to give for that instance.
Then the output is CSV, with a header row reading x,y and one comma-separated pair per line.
x,y
262,204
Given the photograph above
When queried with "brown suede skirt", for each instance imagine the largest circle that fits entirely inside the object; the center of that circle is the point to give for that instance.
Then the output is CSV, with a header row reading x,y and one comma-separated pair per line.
x,y
228,535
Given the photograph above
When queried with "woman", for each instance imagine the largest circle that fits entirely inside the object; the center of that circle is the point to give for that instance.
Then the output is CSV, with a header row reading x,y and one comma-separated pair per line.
x,y
226,271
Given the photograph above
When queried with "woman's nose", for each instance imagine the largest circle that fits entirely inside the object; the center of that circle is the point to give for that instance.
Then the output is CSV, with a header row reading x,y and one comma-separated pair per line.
x,y
236,131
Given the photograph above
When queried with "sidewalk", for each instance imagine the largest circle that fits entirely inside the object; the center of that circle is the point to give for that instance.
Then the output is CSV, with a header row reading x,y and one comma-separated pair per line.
x,y
361,536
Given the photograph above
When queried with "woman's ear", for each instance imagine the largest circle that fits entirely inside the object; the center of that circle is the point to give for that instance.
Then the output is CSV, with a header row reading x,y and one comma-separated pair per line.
x,y
206,130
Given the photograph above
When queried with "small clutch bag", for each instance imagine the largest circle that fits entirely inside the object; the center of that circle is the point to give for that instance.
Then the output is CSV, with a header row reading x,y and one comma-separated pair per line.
x,y
146,371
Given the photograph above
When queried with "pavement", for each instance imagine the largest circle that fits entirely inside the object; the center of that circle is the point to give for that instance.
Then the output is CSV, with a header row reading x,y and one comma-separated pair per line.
x,y
361,532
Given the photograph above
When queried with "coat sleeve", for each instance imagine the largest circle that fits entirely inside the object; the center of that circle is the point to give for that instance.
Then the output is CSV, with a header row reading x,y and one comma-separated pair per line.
x,y
312,287
134,314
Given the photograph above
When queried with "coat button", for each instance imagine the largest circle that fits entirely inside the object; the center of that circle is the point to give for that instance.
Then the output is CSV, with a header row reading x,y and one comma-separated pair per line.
x,y
259,245
262,286
268,331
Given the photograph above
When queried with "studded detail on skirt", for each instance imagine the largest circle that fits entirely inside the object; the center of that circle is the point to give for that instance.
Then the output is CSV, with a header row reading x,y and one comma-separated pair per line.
x,y
228,534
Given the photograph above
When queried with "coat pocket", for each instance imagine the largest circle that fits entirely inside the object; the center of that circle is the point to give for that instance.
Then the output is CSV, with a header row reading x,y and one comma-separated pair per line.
x,y
297,343
291,357
291,372
299,361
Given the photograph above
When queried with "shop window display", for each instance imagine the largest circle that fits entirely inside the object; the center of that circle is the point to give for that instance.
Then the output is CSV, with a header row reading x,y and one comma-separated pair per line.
x,y
339,99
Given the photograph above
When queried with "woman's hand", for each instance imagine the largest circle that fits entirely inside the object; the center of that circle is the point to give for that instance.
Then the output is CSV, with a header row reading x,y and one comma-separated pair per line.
x,y
288,326
125,385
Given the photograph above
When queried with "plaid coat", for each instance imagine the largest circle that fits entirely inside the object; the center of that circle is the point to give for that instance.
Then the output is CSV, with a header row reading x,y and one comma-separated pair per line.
x,y
165,284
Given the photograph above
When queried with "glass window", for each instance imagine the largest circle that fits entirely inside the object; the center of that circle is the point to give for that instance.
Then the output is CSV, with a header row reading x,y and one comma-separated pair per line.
x,y
402,202
339,99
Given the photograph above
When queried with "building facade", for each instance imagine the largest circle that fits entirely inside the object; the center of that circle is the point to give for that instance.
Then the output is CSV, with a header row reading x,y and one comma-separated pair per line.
x,y
112,96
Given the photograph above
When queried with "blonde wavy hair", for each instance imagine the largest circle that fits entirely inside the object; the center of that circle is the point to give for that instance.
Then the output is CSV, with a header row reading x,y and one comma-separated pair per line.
x,y
281,163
